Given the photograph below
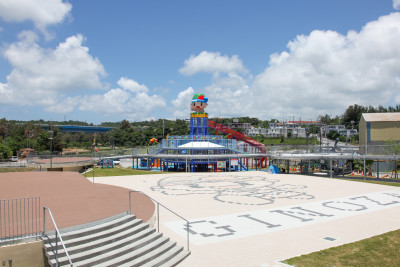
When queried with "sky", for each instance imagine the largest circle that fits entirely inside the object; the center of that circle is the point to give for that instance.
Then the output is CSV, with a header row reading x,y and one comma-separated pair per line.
x,y
105,61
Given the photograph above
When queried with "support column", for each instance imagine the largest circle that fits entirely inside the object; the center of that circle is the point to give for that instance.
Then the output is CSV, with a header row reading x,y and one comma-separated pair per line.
x,y
377,169
364,169
330,167
343,168
288,166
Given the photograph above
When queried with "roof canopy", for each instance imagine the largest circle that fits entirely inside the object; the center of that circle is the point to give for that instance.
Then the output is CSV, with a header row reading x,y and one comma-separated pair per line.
x,y
388,116
197,144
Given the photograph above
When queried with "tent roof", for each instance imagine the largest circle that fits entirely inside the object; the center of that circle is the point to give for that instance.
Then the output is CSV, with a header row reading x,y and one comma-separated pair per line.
x,y
197,144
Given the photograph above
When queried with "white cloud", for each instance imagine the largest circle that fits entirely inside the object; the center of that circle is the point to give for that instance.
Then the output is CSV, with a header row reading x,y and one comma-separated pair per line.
x,y
320,73
228,96
182,103
123,101
132,85
396,4
41,12
325,72
39,74
212,63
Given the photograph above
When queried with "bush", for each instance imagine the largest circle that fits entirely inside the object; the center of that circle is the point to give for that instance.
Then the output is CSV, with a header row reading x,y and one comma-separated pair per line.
x,y
5,152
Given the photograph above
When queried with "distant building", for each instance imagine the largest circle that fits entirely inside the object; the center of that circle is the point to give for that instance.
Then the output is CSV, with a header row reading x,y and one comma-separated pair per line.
x,y
277,130
237,125
340,129
378,128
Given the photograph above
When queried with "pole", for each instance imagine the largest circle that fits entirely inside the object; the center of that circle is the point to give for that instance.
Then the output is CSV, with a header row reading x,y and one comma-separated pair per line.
x,y
364,169
163,129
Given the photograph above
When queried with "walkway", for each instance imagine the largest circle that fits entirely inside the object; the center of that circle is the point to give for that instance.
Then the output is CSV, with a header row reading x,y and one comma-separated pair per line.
x,y
258,219
72,199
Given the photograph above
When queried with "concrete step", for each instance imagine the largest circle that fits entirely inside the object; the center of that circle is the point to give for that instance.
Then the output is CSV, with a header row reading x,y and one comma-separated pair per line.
x,y
172,253
106,233
140,254
130,235
126,254
152,255
116,242
176,259
91,230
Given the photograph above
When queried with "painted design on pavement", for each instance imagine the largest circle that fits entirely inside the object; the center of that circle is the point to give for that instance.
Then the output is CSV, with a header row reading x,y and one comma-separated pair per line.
x,y
260,189
239,225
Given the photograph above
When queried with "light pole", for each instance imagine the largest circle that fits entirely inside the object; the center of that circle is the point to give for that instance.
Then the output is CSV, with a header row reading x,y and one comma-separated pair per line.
x,y
51,149
163,129
352,132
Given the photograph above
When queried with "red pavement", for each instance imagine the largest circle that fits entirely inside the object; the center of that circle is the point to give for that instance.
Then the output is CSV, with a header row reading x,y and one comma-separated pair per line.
x,y
72,199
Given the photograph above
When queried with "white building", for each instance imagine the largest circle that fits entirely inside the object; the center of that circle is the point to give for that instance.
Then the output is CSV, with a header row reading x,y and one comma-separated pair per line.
x,y
341,129
277,130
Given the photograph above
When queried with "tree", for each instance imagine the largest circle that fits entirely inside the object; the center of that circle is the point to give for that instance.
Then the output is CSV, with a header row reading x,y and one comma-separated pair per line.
x,y
5,152
125,125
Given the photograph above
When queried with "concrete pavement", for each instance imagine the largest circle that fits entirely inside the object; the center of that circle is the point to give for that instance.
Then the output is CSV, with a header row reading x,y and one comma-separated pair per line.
x,y
257,219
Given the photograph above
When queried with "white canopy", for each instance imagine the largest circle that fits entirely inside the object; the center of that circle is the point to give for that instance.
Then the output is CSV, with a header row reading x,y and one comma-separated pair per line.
x,y
197,144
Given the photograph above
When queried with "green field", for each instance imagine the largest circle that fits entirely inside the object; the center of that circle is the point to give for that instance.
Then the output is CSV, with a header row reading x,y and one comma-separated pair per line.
x,y
21,169
117,171
381,250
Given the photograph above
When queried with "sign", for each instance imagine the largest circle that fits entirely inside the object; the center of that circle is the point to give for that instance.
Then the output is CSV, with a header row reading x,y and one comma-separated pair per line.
x,y
234,162
221,164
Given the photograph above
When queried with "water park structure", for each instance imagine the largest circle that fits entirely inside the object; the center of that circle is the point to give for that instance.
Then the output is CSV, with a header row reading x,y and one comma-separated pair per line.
x,y
199,151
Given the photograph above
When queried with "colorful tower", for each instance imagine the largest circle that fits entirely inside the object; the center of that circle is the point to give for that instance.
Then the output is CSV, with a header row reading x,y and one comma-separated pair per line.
x,y
198,118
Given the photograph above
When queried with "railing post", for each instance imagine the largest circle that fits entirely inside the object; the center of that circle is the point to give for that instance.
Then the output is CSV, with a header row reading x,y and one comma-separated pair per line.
x,y
56,247
158,217
44,221
130,205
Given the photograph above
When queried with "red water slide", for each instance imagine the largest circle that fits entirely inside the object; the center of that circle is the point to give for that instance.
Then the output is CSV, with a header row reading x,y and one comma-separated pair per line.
x,y
219,127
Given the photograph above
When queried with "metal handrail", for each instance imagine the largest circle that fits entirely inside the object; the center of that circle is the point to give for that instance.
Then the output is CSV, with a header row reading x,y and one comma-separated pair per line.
x,y
19,218
158,214
57,234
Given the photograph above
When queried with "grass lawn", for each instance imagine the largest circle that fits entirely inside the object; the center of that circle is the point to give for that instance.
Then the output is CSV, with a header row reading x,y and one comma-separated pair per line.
x,y
117,171
21,169
381,250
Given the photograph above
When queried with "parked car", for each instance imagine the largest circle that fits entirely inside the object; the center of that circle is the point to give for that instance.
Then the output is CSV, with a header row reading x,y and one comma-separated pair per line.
x,y
14,159
116,161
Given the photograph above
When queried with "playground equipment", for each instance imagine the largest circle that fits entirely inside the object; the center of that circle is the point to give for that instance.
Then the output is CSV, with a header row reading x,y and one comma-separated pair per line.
x,y
200,144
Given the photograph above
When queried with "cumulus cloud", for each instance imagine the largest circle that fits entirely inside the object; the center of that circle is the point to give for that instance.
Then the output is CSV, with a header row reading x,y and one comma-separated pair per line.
x,y
326,71
182,102
39,74
132,85
42,12
212,62
123,101
320,73
396,4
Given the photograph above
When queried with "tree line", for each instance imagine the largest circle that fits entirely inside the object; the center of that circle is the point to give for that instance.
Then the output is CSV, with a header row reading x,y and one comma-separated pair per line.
x,y
15,135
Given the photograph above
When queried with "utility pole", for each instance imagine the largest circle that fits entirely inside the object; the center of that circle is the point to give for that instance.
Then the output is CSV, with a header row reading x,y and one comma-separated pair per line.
x,y
51,145
6,134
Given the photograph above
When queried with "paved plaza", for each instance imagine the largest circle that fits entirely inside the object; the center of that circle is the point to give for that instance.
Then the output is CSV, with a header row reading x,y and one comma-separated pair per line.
x,y
257,219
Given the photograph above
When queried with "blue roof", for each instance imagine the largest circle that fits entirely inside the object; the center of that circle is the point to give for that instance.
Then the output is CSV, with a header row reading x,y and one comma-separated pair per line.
x,y
87,129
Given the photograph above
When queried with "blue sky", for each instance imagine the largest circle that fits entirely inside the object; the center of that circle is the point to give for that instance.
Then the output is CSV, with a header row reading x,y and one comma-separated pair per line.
x,y
100,61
